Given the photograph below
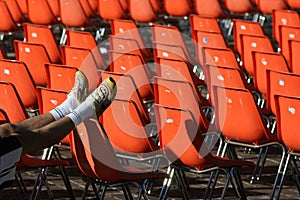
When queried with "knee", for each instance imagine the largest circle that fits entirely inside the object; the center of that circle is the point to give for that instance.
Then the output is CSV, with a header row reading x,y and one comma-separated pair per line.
x,y
6,129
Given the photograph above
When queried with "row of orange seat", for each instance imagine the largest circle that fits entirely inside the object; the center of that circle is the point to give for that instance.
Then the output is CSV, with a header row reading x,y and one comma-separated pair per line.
x,y
179,74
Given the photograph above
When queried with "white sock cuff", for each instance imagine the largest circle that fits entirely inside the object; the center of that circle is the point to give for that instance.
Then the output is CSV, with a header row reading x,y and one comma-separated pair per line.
x,y
75,117
58,113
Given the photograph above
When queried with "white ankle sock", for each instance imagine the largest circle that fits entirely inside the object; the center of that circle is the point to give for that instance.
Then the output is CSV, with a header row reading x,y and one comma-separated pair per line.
x,y
64,108
84,111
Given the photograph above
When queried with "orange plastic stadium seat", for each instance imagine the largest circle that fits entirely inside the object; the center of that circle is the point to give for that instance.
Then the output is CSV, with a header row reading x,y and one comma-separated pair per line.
x,y
242,8
60,77
183,144
263,61
176,69
84,39
283,18
287,119
293,4
127,90
241,27
2,56
241,123
48,99
15,110
17,73
170,38
179,8
112,9
252,43
23,6
174,93
125,128
35,57
40,12
43,35
288,33
15,11
127,29
93,154
281,83
201,23
144,11
294,48
209,8
267,6
84,60
8,25
135,66
220,57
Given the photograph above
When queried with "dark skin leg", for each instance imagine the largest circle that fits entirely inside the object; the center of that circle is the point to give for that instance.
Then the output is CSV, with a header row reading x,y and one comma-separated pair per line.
x,y
38,132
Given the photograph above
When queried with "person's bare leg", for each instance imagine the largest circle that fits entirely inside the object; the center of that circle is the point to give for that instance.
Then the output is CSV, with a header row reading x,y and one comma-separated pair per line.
x,y
76,96
52,133
48,135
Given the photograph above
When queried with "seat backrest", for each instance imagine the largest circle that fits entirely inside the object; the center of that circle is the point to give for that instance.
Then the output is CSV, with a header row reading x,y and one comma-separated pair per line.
x,y
285,18
287,116
222,76
174,93
72,13
220,57
3,117
294,48
208,39
252,43
88,10
2,54
84,39
40,12
86,143
243,7
94,5
244,27
209,8
43,35
281,83
135,66
175,69
23,6
60,77
8,24
288,33
125,128
169,35
111,9
202,23
11,103
48,99
15,11
128,29
54,5
293,4
262,61
127,90
125,45
35,57
179,8
142,11
180,138
267,6
237,115
17,73
83,60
